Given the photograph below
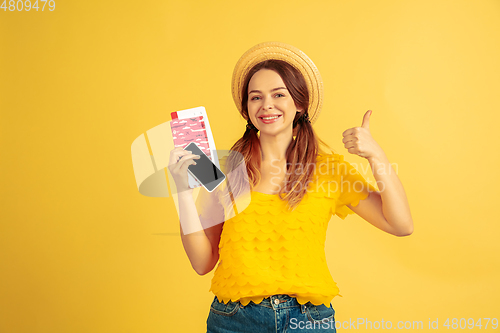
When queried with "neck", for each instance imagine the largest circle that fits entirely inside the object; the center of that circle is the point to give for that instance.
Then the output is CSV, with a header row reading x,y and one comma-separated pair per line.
x,y
274,147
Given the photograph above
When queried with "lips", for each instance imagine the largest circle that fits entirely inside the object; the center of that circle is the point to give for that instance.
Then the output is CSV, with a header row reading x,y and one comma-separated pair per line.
x,y
270,115
269,121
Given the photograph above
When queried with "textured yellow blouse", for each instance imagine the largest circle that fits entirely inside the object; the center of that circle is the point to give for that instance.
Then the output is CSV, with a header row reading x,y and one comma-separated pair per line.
x,y
266,249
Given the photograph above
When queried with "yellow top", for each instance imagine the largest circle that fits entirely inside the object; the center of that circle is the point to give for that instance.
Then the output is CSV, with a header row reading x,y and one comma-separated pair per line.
x,y
267,250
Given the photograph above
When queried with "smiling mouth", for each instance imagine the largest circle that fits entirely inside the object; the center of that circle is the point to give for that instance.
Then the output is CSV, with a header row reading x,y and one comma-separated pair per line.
x,y
270,117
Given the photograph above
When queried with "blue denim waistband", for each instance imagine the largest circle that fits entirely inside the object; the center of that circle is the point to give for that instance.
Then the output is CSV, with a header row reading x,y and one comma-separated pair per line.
x,y
281,301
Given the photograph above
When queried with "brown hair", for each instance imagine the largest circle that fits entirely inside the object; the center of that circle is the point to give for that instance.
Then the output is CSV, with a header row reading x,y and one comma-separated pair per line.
x,y
301,153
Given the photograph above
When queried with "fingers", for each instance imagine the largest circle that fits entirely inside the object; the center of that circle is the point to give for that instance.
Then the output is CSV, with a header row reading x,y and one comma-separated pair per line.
x,y
349,138
182,166
186,157
351,144
366,120
350,131
353,150
185,161
179,162
179,156
351,141
353,131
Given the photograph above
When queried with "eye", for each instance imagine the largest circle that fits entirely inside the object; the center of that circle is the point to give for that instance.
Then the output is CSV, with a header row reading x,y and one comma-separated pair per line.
x,y
280,95
254,98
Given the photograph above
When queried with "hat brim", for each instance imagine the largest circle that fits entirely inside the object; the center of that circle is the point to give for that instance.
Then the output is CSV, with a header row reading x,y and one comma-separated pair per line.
x,y
290,54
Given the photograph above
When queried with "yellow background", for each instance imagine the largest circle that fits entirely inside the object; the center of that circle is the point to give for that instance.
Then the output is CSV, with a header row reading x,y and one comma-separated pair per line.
x,y
81,250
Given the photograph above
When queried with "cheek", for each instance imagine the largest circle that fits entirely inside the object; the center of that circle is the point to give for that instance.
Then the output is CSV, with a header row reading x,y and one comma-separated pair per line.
x,y
252,112
251,108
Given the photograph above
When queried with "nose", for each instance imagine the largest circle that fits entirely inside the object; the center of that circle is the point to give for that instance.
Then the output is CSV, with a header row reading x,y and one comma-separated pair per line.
x,y
267,103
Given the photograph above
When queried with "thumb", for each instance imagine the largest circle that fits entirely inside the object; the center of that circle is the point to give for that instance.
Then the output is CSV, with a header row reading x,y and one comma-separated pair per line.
x,y
366,120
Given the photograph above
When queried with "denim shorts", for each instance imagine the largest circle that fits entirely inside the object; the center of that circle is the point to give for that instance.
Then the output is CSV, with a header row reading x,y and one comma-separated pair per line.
x,y
276,314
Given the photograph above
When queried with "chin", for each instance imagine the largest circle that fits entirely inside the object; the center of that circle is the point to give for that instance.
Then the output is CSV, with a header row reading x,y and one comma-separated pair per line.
x,y
275,131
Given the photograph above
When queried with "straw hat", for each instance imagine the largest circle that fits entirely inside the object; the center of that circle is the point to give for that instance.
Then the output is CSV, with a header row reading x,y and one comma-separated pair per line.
x,y
290,54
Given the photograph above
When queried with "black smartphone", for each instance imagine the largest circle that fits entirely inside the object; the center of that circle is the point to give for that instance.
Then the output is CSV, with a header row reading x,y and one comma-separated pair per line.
x,y
207,173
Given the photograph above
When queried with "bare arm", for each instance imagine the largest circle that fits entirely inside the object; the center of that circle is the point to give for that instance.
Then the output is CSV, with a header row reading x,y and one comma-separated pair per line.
x,y
388,209
202,247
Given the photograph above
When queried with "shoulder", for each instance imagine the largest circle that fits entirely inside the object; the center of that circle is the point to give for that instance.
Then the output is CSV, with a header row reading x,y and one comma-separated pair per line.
x,y
329,157
327,163
232,160
336,164
222,163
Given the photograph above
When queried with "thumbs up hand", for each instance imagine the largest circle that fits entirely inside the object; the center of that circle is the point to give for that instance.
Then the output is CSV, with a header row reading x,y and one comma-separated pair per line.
x,y
359,141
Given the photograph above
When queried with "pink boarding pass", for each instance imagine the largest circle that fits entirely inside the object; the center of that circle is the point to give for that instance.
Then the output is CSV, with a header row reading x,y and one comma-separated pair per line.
x,y
187,130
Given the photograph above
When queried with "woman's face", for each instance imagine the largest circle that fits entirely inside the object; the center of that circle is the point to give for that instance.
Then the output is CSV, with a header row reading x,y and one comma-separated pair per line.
x,y
268,96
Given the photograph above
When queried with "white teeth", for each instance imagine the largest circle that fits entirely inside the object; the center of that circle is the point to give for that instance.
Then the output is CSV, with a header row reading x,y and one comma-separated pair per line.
x,y
268,118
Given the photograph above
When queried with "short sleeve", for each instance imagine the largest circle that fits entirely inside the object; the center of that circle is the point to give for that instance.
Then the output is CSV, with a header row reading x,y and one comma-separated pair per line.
x,y
352,185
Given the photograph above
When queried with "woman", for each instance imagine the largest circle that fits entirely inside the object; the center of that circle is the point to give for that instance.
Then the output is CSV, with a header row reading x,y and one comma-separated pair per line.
x,y
272,274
